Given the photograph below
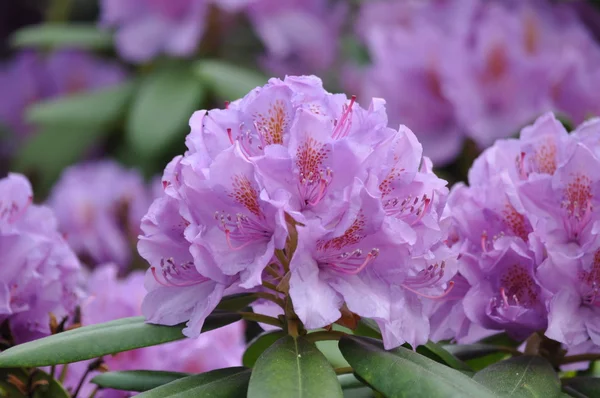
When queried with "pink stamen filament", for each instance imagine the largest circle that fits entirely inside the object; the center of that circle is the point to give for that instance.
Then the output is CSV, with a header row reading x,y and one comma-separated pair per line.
x,y
350,263
343,125
313,190
241,229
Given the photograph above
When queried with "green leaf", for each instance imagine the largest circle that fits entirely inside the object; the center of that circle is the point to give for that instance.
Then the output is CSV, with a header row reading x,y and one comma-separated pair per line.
x,y
136,380
47,387
521,377
236,302
582,387
221,383
404,373
229,82
98,109
471,351
293,368
258,345
368,328
330,349
161,109
349,381
98,340
439,354
63,35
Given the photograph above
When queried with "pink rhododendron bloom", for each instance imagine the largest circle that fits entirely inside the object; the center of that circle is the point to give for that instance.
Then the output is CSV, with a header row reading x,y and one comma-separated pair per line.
x,y
292,182
300,36
40,273
99,206
527,228
112,298
480,69
147,28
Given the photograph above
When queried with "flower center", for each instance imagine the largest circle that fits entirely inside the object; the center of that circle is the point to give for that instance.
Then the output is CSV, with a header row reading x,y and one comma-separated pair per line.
x,y
177,275
577,202
517,288
349,261
428,278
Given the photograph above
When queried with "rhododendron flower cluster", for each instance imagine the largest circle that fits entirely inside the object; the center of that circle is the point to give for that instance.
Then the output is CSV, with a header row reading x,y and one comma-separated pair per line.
x,y
527,229
40,273
477,69
111,298
99,206
296,188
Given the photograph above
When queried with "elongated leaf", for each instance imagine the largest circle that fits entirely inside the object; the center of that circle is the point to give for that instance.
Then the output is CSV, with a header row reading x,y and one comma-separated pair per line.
x,y
236,302
293,368
63,35
221,383
368,328
582,387
332,352
439,354
349,381
136,380
404,373
229,82
98,340
97,109
521,377
162,107
258,345
471,351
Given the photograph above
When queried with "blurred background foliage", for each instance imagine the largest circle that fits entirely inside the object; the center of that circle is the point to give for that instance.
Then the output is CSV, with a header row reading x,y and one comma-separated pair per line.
x,y
141,119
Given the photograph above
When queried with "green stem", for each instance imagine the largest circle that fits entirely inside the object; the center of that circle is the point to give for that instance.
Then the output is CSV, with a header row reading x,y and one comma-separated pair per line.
x,y
579,358
94,392
52,371
63,373
344,370
270,297
283,260
325,335
532,346
269,285
269,320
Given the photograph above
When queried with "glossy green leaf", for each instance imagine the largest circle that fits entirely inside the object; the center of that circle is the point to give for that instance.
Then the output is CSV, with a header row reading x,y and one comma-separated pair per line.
x,y
63,35
236,302
471,351
159,115
330,349
98,109
258,345
368,328
293,368
229,82
404,373
98,340
349,381
221,383
362,392
582,387
521,377
439,354
136,380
